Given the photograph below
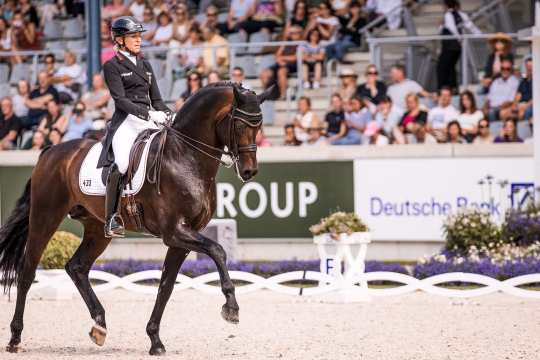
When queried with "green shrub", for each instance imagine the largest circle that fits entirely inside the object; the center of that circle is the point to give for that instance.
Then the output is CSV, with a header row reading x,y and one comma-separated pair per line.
x,y
59,250
339,222
470,227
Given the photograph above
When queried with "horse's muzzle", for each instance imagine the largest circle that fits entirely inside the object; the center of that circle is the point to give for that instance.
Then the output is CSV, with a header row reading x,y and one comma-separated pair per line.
x,y
248,174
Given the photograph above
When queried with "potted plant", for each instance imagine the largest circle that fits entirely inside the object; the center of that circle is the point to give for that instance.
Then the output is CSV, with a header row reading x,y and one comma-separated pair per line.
x,y
340,227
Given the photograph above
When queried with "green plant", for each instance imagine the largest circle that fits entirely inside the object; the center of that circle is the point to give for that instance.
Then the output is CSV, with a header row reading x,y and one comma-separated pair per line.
x,y
339,222
470,227
59,250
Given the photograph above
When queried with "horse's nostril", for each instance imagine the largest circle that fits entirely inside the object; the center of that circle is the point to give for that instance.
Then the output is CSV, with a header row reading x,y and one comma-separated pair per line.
x,y
249,173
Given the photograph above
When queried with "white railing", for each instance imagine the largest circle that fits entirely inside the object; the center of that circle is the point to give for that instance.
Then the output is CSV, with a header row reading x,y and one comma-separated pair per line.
x,y
58,280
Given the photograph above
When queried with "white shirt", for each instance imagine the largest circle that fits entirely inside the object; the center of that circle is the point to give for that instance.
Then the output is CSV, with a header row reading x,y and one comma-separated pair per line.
x,y
440,116
164,33
390,121
502,91
390,8
305,121
75,72
137,10
450,23
130,57
398,91
19,108
469,121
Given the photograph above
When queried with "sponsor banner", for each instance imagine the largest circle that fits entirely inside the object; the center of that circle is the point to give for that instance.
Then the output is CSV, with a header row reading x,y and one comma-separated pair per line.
x,y
408,199
285,199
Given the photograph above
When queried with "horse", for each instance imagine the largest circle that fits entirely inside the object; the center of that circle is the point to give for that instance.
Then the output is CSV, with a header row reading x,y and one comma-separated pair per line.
x,y
221,115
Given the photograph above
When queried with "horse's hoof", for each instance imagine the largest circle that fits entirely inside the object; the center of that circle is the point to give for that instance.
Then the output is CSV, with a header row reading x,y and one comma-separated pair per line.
x,y
13,349
98,334
157,351
230,314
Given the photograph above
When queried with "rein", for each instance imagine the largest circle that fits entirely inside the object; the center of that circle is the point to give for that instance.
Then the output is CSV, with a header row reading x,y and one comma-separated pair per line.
x,y
233,150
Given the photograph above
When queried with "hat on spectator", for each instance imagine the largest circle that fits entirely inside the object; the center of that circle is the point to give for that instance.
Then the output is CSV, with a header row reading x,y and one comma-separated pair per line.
x,y
371,128
505,38
347,72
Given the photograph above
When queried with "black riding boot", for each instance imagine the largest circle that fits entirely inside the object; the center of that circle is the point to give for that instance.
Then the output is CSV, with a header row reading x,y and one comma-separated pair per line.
x,y
113,228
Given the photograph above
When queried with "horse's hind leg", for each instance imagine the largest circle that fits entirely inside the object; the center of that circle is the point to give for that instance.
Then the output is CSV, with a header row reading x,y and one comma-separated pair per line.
x,y
173,261
192,240
78,267
41,227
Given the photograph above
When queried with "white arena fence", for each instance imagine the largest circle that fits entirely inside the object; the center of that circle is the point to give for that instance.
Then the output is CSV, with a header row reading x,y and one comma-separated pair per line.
x,y
59,281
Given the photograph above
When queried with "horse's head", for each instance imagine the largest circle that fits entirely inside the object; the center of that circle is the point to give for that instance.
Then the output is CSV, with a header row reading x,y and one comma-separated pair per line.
x,y
246,121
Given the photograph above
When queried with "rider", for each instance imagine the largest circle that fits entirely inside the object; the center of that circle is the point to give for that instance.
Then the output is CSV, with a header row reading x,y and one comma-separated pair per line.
x,y
138,106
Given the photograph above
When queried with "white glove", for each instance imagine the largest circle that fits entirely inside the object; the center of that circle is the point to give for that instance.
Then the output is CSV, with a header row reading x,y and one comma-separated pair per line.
x,y
159,117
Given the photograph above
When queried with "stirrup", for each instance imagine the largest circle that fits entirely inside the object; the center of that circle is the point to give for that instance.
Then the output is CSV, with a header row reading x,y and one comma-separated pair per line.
x,y
112,231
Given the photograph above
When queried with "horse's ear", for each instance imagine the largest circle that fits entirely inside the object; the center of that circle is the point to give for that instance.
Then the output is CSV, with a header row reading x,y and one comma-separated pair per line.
x,y
272,93
237,95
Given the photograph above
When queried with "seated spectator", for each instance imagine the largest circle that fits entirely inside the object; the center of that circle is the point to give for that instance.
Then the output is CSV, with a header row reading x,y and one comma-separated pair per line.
x,y
341,7
23,36
303,120
315,135
442,114
454,135
501,45
107,46
336,127
181,25
469,115
387,116
78,123
191,57
238,77
313,54
164,31
502,91
523,100
348,35
299,16
29,12
508,133
69,78
414,120
289,138
261,140
50,64
5,37
323,20
347,88
114,9
160,6
55,137
484,135
268,16
356,120
10,125
374,135
373,89
285,63
8,9
38,99
239,12
38,141
212,13
391,9
401,86
54,119
150,25
421,136
97,98
213,77
215,58
194,83
19,99
136,9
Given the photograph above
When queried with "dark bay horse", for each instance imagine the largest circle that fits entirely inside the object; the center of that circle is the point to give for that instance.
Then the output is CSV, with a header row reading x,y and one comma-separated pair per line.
x,y
220,116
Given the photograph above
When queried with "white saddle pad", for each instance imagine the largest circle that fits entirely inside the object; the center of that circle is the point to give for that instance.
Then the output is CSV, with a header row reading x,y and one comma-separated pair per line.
x,y
90,181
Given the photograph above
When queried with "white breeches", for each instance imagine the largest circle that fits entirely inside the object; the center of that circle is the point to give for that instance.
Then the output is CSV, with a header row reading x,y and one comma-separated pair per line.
x,y
125,136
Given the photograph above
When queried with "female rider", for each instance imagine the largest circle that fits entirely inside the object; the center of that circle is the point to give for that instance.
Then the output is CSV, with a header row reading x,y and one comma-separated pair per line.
x,y
138,106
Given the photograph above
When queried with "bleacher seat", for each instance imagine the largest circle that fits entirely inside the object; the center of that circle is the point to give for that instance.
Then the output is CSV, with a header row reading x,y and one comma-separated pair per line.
x,y
222,17
495,128
73,28
269,112
164,85
258,37
76,44
178,89
5,90
4,73
20,72
158,66
200,18
52,30
55,45
266,61
238,38
247,63
524,130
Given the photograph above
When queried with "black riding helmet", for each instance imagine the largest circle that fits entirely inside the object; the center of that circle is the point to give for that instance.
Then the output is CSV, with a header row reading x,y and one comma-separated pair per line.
x,y
125,25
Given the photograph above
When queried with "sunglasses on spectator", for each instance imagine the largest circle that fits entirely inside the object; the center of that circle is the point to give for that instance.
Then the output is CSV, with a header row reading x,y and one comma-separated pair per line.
x,y
506,69
483,126
211,14
373,73
194,79
237,74
49,61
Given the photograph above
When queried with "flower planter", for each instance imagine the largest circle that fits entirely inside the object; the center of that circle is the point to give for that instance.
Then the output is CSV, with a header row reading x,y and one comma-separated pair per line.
x,y
343,257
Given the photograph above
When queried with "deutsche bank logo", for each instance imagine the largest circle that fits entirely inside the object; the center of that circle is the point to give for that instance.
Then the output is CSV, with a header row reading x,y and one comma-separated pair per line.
x,y
521,193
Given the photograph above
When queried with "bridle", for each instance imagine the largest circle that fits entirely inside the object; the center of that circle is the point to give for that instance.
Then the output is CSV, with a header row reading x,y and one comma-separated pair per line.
x,y
252,120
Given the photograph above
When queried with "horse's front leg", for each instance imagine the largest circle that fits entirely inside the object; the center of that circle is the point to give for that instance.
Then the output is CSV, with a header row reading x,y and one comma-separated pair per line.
x,y
173,261
192,240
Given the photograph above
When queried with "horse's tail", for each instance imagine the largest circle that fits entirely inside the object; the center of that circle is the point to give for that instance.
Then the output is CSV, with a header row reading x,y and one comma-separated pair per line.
x,y
13,237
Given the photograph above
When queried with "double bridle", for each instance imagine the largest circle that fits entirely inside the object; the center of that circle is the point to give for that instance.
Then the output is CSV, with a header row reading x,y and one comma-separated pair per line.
x,y
233,151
